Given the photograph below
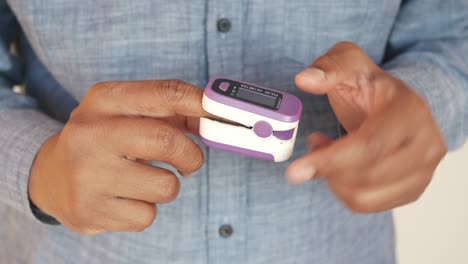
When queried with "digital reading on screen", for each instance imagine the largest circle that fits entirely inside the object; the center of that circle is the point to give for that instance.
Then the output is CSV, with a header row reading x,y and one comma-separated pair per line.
x,y
256,97
248,93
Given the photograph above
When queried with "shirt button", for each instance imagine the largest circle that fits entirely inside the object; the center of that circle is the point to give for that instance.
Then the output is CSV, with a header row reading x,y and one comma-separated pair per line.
x,y
224,25
225,231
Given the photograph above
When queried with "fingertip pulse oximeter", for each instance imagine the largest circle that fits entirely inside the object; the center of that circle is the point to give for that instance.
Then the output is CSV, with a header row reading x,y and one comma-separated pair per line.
x,y
265,121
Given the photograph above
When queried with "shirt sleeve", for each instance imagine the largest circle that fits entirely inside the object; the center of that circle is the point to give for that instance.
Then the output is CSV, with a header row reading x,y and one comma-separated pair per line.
x,y
428,49
23,127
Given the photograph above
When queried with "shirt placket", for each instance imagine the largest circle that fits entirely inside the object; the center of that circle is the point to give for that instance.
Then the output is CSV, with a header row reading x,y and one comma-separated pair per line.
x,y
227,183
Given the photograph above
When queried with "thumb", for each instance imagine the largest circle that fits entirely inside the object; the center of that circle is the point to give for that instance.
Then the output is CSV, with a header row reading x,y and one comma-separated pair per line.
x,y
341,64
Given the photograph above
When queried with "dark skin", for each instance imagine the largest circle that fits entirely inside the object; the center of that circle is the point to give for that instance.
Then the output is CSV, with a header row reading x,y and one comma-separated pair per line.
x,y
92,176
393,144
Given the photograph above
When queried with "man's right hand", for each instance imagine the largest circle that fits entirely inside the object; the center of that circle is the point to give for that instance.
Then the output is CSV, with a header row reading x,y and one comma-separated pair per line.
x,y
89,176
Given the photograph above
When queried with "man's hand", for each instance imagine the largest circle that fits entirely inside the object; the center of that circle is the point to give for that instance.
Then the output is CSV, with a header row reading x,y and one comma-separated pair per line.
x,y
393,144
89,176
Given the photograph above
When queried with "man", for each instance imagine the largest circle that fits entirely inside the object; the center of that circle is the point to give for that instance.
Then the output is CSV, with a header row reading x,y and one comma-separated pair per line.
x,y
77,191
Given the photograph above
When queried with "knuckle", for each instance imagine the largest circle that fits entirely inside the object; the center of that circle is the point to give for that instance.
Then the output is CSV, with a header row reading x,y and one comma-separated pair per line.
x,y
98,89
166,138
173,91
370,147
441,146
139,228
75,112
199,160
419,191
415,197
357,204
435,153
102,90
145,219
347,46
74,132
169,189
329,63
427,179
351,197
77,136
193,155
351,56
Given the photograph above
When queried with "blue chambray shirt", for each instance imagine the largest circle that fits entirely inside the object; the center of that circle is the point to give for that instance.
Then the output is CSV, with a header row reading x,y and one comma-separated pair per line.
x,y
68,45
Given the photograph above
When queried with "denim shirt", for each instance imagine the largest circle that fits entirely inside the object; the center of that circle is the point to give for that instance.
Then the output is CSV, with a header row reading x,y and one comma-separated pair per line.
x,y
67,45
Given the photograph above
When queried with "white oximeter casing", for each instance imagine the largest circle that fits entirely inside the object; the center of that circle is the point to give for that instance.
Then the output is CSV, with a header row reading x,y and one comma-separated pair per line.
x,y
268,119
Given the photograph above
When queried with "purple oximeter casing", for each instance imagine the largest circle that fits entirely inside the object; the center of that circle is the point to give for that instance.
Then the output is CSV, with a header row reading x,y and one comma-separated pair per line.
x,y
269,119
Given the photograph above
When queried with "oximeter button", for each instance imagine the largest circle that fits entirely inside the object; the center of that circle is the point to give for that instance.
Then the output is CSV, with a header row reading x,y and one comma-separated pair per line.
x,y
284,135
263,129
223,86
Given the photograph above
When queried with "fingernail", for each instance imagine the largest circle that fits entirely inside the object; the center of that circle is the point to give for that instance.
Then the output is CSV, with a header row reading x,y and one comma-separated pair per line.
x,y
314,74
301,174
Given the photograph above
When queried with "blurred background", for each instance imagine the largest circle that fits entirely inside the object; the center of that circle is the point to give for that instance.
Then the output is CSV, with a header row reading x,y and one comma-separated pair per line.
x,y
435,228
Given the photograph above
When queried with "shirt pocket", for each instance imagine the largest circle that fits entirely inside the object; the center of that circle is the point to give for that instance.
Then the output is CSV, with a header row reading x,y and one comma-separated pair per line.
x,y
312,27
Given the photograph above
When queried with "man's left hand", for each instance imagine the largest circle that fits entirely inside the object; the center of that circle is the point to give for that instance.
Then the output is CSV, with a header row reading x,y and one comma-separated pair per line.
x,y
393,145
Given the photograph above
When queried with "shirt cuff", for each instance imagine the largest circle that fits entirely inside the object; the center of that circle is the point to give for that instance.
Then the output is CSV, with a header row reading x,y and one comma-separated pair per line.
x,y
23,131
41,216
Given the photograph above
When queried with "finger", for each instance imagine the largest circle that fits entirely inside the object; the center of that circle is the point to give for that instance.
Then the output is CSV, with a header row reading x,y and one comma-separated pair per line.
x,y
378,137
156,99
318,140
186,124
382,198
193,125
151,139
338,65
342,98
176,121
126,215
137,181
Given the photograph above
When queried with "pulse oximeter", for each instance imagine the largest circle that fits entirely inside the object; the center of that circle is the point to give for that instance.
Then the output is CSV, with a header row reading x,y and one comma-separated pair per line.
x,y
262,122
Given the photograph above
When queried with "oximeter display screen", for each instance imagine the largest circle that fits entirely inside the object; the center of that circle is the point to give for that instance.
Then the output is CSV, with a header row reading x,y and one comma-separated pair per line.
x,y
248,93
254,97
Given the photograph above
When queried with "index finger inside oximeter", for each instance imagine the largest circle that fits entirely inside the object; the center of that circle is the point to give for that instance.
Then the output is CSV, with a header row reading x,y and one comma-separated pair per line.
x,y
268,119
